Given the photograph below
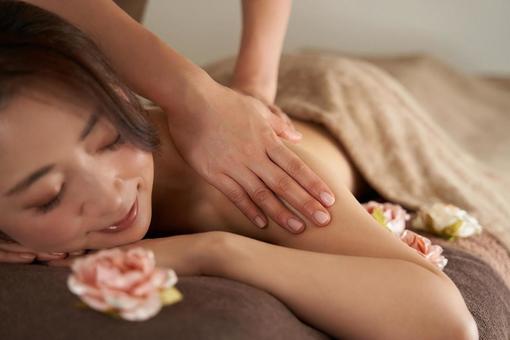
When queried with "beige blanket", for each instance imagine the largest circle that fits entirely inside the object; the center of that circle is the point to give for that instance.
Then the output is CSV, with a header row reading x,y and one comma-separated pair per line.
x,y
417,130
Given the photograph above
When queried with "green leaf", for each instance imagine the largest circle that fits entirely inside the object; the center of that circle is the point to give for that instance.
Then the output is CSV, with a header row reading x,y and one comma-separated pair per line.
x,y
170,295
378,214
452,229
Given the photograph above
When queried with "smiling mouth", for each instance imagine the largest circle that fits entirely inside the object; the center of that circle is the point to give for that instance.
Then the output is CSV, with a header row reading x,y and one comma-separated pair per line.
x,y
126,222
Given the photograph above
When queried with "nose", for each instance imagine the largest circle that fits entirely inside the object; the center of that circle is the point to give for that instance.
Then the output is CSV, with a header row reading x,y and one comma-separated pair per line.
x,y
104,197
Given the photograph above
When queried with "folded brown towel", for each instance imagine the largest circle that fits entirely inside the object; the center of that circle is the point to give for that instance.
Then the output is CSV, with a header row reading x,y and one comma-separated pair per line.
x,y
35,303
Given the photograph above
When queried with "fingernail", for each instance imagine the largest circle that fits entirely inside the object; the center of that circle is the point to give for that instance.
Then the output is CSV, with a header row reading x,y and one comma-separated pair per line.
x,y
57,254
327,198
260,222
27,256
295,224
321,216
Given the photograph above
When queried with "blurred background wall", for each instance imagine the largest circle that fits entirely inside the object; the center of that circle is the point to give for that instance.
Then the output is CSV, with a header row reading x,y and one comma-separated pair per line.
x,y
472,35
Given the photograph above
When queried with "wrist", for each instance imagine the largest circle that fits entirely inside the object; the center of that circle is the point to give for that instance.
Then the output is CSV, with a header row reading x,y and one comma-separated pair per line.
x,y
185,91
219,250
260,89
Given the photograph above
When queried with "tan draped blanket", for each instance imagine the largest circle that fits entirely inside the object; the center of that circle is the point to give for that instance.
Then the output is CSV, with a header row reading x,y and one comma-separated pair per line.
x,y
417,130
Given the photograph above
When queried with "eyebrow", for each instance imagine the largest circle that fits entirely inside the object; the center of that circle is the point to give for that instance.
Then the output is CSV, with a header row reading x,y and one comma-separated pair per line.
x,y
34,176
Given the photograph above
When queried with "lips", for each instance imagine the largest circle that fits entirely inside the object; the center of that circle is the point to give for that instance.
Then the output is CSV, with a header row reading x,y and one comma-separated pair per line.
x,y
126,222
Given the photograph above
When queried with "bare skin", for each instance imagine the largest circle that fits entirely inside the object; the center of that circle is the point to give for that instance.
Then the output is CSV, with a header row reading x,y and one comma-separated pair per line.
x,y
331,277
207,111
347,262
183,203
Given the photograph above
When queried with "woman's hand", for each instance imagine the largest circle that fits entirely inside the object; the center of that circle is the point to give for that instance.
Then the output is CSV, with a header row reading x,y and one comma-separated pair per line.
x,y
227,139
13,252
183,253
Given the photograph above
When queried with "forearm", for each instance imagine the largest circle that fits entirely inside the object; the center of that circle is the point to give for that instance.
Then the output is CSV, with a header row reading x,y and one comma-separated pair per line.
x,y
148,65
340,294
264,27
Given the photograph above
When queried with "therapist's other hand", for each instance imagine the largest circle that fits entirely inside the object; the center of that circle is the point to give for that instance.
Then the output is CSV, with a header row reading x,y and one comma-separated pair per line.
x,y
228,140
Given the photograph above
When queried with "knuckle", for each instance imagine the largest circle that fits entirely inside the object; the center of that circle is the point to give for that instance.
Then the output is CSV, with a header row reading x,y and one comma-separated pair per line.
x,y
296,166
316,186
235,195
284,184
310,205
250,150
275,146
261,195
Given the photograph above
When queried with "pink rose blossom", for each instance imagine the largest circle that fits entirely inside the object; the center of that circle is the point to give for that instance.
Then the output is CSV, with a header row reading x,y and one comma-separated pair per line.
x,y
425,248
123,282
395,216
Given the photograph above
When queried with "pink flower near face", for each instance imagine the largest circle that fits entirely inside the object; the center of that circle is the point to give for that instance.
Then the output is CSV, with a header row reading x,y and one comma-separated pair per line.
x,y
425,248
126,282
395,216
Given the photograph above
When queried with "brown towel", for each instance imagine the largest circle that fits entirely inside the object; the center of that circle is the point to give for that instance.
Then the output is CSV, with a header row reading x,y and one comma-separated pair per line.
x,y
486,295
37,304
448,149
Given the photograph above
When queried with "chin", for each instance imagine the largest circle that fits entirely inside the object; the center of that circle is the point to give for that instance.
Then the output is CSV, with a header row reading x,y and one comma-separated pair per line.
x,y
109,240
134,233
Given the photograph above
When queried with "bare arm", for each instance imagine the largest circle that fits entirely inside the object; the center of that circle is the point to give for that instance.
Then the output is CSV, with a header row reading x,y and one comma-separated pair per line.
x,y
149,66
348,296
264,27
229,139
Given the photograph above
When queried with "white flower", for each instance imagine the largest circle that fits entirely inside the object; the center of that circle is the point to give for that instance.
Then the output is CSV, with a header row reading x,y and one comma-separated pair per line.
x,y
446,220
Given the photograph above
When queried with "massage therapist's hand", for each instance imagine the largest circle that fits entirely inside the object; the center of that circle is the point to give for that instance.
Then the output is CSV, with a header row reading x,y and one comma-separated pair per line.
x,y
227,138
279,121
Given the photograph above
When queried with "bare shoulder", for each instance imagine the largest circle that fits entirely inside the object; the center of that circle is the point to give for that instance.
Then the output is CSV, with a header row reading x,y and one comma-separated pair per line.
x,y
321,150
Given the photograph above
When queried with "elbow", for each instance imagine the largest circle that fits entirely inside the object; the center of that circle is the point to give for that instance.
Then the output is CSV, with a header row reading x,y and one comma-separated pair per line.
x,y
453,320
462,324
443,312
466,329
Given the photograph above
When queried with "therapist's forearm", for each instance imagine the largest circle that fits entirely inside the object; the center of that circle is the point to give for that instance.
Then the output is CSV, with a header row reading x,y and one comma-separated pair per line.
x,y
149,66
264,27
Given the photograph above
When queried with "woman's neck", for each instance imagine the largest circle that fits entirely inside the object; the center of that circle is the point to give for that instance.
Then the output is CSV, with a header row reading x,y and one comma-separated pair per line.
x,y
178,191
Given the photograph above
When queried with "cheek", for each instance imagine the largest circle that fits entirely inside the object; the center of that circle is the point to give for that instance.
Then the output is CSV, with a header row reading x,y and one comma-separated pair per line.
x,y
139,163
138,159
46,233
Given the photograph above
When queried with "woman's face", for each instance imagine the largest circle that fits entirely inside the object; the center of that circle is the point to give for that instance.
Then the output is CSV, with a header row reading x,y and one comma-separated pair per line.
x,y
42,137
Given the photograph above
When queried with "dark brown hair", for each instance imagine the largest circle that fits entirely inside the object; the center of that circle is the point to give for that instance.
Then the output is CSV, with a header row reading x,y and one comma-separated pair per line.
x,y
37,44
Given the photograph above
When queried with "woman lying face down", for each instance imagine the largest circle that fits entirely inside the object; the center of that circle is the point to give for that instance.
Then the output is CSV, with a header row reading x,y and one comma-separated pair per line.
x,y
67,174
90,158
78,154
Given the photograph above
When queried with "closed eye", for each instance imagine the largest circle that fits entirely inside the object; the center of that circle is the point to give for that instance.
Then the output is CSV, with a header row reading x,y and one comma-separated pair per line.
x,y
55,201
115,144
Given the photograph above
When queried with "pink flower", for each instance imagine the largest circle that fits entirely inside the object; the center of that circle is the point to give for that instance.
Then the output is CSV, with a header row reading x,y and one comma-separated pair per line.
x,y
394,217
123,282
425,248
